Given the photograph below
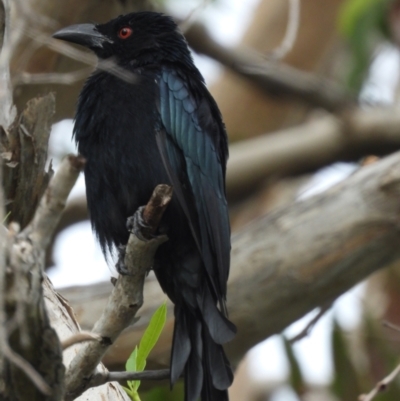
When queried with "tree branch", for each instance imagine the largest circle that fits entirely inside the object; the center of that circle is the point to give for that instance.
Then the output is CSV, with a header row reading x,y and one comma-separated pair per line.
x,y
24,153
314,144
74,212
53,202
275,79
3,21
25,336
25,367
35,349
100,378
310,325
80,337
7,108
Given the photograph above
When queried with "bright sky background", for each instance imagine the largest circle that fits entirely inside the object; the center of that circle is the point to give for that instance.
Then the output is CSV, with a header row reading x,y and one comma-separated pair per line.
x,y
79,260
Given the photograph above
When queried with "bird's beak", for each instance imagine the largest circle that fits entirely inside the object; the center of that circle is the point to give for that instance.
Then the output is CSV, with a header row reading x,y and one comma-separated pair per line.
x,y
83,34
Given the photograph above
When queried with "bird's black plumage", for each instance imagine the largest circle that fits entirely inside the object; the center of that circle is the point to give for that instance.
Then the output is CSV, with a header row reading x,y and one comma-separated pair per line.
x,y
162,128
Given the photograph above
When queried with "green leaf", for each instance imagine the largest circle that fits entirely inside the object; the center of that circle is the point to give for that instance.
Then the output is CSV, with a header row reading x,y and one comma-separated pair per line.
x,y
295,376
137,360
131,363
135,396
346,381
129,392
151,335
6,217
165,393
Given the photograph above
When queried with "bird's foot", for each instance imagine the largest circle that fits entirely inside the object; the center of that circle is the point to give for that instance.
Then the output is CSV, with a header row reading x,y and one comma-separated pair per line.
x,y
136,225
120,265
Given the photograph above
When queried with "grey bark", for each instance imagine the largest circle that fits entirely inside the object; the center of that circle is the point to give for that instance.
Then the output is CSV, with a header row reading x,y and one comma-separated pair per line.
x,y
24,153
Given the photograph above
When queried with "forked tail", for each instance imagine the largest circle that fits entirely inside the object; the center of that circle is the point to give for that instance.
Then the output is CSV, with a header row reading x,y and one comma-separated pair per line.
x,y
198,354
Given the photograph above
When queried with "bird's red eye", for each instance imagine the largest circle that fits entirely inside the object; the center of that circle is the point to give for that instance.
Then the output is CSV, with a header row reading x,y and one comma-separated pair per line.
x,y
125,32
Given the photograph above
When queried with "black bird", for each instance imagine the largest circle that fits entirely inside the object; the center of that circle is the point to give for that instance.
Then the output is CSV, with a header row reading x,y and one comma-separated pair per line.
x,y
164,127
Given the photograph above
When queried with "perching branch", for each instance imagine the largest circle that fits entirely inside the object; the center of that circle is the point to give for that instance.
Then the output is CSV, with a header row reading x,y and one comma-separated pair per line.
x,y
125,299
64,321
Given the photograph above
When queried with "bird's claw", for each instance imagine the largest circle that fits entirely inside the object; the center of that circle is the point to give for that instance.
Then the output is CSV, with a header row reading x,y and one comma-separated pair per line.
x,y
136,225
120,265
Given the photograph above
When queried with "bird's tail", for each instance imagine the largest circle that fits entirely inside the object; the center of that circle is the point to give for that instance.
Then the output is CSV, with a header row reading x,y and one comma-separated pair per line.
x,y
197,355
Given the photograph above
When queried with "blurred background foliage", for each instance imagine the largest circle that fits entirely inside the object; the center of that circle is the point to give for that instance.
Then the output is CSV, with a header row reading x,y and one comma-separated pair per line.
x,y
363,23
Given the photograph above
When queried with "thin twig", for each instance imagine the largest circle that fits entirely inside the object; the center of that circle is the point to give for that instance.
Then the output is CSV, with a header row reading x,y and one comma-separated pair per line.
x,y
101,378
26,367
80,337
162,374
90,59
28,13
65,78
66,49
112,67
310,325
188,21
391,326
380,386
53,201
291,32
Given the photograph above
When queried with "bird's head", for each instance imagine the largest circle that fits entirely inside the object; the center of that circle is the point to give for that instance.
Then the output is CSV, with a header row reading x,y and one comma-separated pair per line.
x,y
136,37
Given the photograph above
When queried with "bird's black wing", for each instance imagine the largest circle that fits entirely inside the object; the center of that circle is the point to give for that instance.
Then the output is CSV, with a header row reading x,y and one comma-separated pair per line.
x,y
191,129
